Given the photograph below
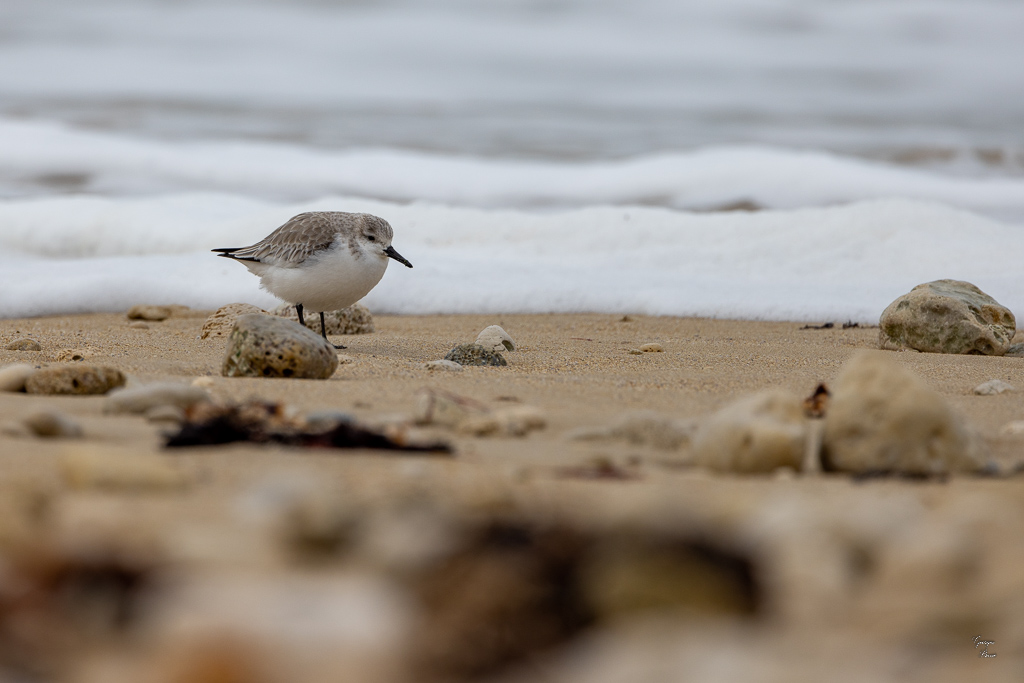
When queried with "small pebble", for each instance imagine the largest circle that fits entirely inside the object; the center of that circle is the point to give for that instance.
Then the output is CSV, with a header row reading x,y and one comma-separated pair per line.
x,y
474,354
53,425
13,377
24,344
494,338
166,414
993,387
443,365
651,348
138,325
149,313
139,400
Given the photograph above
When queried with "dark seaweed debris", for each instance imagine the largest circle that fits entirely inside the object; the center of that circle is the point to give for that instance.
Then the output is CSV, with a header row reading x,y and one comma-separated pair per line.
x,y
260,422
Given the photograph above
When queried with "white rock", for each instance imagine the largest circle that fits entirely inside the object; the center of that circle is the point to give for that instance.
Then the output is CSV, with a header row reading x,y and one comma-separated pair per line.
x,y
53,425
651,348
758,433
493,338
883,418
12,377
992,387
141,399
442,365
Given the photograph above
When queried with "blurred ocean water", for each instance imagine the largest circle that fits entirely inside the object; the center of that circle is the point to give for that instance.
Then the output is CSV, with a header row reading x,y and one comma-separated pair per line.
x,y
226,113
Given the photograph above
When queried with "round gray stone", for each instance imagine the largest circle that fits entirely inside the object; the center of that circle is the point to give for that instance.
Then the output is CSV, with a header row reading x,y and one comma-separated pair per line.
x,y
24,344
269,346
947,316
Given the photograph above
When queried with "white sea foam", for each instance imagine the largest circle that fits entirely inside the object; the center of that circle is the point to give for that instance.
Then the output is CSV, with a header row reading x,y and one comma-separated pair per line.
x,y
835,263
774,178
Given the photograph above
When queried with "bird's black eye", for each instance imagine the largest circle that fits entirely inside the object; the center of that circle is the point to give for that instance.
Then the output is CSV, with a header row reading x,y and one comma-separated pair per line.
x,y
371,238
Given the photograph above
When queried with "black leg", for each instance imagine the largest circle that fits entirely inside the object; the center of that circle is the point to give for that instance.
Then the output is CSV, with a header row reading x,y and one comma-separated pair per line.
x,y
298,308
323,331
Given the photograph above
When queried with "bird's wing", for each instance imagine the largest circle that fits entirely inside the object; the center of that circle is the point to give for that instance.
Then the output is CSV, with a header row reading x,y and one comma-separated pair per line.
x,y
291,244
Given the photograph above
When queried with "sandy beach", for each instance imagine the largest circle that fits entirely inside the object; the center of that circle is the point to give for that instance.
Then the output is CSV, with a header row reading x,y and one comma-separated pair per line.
x,y
865,575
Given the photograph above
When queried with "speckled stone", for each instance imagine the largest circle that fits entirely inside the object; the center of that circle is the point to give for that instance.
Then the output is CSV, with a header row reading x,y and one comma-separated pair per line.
x,y
269,346
74,379
474,354
24,344
356,319
947,316
222,321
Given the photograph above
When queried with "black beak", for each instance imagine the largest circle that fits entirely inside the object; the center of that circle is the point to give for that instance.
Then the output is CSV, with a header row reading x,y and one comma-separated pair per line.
x,y
390,251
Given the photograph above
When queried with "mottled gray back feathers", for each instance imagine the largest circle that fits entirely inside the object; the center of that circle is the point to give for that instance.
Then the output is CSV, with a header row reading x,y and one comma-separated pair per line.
x,y
308,234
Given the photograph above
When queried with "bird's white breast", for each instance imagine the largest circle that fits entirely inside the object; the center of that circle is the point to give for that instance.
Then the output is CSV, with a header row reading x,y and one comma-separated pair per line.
x,y
326,282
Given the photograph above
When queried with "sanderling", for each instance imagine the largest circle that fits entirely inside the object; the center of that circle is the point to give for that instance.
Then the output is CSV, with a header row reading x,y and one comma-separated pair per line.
x,y
323,260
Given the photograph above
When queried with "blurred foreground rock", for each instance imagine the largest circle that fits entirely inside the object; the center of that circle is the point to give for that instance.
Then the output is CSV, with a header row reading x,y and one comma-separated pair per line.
x,y
947,316
758,433
883,419
74,379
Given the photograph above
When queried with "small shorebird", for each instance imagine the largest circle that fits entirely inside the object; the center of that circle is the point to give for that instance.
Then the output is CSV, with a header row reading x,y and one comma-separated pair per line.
x,y
323,260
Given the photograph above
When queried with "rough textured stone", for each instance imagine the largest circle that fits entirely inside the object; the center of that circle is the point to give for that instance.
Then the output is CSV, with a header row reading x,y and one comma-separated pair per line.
x,y
13,377
947,316
758,433
992,387
882,418
494,338
356,319
68,355
474,354
269,346
222,321
144,312
53,425
24,344
651,348
74,379
139,400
